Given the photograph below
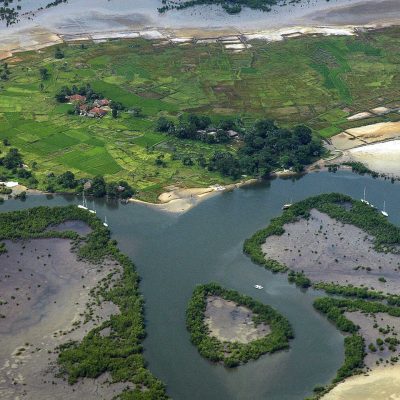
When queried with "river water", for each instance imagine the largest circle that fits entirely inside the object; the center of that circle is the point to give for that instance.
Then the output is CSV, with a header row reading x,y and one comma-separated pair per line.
x,y
173,253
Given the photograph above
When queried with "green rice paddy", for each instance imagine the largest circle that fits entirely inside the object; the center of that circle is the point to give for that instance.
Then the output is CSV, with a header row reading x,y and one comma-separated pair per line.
x,y
317,81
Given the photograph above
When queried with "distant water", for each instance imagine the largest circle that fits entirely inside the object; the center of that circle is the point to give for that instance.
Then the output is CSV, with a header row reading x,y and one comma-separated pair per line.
x,y
174,253
99,15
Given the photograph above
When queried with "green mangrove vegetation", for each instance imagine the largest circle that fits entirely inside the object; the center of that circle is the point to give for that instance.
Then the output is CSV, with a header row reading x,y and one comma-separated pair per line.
x,y
119,354
233,354
230,6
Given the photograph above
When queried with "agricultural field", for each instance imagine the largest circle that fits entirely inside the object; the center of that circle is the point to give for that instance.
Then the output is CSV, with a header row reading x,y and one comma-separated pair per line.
x,y
316,81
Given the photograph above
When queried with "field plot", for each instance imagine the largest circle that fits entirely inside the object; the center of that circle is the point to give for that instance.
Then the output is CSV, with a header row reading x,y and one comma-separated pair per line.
x,y
328,80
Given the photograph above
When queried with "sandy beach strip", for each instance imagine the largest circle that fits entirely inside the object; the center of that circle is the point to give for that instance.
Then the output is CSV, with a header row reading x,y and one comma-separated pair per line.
x,y
381,157
380,384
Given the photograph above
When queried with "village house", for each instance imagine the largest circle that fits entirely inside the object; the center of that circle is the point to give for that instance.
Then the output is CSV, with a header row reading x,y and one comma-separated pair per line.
x,y
101,103
97,112
76,98
232,134
87,185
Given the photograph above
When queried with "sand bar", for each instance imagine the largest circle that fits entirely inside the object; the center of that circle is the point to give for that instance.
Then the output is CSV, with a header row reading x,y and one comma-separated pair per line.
x,y
380,384
380,157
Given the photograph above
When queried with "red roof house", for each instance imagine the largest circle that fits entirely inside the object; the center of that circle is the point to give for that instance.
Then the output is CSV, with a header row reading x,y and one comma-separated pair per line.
x,y
97,112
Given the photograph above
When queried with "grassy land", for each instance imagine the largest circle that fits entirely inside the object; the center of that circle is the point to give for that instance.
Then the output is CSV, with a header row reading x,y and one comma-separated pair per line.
x,y
328,76
119,354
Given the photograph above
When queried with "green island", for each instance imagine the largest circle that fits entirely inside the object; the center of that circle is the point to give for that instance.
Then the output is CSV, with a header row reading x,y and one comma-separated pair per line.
x,y
184,116
327,225
69,249
210,308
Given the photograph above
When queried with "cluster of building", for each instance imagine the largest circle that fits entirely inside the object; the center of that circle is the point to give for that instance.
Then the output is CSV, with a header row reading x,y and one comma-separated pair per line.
x,y
98,109
230,134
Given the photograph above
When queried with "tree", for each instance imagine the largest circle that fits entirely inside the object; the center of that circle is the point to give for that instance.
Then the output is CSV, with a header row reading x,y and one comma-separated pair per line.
x,y
98,188
163,124
114,113
59,54
13,159
303,134
67,179
44,74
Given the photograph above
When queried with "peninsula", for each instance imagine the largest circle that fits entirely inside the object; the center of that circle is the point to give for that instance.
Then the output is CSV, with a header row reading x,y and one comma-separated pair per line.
x,y
71,310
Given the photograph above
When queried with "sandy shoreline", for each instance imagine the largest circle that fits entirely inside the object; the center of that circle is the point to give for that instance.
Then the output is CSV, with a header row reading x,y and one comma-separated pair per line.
x,y
180,200
380,384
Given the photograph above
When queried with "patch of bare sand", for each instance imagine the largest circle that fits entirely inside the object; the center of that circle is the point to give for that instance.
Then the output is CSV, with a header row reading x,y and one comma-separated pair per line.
x,y
179,200
44,294
380,384
376,132
344,141
380,157
329,251
229,322
29,39
372,328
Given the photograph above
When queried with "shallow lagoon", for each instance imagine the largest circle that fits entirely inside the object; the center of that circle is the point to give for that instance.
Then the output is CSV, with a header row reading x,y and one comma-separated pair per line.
x,y
175,252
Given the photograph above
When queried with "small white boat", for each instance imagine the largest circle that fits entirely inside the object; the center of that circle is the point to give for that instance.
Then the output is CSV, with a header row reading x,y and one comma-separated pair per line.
x,y
363,200
93,211
259,287
105,223
287,205
383,212
83,206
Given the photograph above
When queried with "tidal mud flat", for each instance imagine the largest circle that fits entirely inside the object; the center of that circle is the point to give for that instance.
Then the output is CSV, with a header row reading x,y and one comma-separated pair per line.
x,y
329,251
45,292
230,322
101,20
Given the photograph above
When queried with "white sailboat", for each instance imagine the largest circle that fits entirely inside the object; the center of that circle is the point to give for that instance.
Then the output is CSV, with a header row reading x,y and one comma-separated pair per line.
x,y
383,212
287,205
83,206
364,200
105,223
93,210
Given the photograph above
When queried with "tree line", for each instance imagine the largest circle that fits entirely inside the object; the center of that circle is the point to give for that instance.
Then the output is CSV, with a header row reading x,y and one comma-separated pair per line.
x,y
265,147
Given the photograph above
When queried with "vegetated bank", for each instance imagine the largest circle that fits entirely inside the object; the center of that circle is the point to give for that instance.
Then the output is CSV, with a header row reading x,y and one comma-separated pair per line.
x,y
118,354
332,78
384,346
234,353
